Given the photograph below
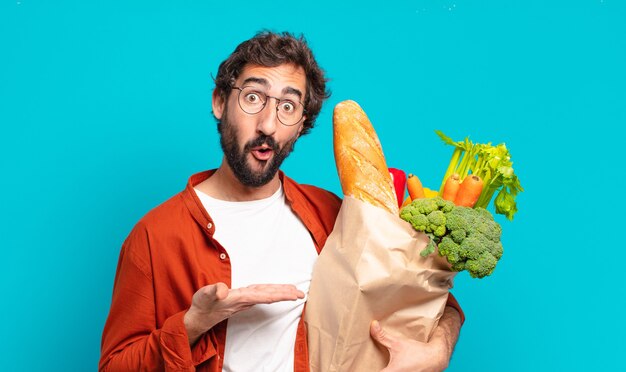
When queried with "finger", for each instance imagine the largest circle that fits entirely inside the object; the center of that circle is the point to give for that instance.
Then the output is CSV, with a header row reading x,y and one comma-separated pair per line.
x,y
285,291
274,294
270,293
380,335
215,292
277,290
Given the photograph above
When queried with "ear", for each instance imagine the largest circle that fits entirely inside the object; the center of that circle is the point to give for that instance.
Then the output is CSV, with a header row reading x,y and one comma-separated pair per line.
x,y
218,103
301,126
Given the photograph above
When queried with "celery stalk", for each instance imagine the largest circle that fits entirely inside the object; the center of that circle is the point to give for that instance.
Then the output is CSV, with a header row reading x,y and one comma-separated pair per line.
x,y
456,155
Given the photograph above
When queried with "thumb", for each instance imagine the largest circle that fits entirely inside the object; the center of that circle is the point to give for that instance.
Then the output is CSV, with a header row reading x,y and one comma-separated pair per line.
x,y
380,335
221,291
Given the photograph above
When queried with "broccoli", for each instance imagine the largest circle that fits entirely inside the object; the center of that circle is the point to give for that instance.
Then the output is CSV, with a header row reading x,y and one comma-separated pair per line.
x,y
449,249
436,223
482,266
417,220
458,235
428,215
468,238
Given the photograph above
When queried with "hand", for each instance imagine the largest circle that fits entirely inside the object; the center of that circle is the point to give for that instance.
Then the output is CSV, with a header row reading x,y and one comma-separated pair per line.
x,y
411,355
214,303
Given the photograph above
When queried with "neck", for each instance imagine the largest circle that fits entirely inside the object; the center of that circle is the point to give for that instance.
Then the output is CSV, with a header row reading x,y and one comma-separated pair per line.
x,y
224,185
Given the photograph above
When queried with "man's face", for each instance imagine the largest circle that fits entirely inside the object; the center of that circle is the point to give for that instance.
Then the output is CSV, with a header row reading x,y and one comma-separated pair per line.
x,y
255,145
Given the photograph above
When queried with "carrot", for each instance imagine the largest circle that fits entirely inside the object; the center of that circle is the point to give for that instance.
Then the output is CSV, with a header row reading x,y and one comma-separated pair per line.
x,y
469,191
451,187
414,186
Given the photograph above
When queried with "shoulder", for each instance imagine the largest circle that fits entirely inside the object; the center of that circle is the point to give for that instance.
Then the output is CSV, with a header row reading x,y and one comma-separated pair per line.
x,y
323,202
321,195
313,193
167,211
158,229
162,220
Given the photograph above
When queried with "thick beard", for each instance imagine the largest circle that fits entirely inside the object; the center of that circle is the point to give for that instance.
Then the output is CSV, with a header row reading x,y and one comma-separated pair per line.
x,y
236,158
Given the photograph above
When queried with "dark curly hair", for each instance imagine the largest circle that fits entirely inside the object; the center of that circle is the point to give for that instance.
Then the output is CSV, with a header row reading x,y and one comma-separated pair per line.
x,y
271,49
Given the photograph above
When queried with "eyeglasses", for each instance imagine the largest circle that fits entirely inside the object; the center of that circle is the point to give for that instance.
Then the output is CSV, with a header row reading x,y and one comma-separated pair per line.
x,y
252,101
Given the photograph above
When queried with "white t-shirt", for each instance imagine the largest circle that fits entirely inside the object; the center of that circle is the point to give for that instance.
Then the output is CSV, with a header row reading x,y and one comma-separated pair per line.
x,y
267,244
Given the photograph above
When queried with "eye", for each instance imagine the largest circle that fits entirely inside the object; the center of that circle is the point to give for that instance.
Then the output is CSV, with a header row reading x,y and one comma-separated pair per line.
x,y
287,107
253,97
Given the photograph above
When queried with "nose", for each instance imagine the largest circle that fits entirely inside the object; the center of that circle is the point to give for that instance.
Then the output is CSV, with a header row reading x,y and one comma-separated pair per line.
x,y
268,119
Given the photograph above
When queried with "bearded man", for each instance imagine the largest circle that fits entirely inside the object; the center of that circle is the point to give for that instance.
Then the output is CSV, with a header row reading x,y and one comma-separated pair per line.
x,y
215,278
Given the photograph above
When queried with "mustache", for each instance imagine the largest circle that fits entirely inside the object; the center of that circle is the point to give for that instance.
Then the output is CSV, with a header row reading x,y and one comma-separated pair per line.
x,y
260,140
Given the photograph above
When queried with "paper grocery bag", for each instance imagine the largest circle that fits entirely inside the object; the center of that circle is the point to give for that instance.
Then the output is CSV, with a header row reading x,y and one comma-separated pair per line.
x,y
371,268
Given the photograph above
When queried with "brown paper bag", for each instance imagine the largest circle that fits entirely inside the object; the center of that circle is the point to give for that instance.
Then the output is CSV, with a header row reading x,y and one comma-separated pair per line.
x,y
371,268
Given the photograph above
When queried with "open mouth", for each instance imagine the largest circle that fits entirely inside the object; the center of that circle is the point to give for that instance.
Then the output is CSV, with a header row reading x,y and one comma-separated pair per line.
x,y
262,153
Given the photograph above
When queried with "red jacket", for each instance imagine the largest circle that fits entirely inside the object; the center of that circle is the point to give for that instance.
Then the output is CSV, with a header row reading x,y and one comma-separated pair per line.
x,y
167,257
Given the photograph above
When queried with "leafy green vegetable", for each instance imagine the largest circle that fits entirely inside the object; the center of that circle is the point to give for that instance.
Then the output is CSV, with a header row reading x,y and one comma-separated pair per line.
x,y
493,165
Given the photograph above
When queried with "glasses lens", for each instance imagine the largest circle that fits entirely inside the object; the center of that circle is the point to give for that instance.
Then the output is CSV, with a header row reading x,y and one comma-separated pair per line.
x,y
251,100
290,112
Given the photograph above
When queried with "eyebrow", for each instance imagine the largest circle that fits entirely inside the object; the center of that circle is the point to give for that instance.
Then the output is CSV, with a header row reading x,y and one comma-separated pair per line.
x,y
265,83
257,80
290,90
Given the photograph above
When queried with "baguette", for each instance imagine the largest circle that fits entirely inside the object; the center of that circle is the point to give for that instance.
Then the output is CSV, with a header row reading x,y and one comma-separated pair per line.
x,y
361,165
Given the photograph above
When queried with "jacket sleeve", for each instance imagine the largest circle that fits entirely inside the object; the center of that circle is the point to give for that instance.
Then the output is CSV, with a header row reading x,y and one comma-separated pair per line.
x,y
131,340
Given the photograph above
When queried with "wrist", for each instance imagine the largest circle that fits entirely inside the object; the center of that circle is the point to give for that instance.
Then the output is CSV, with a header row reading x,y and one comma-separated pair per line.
x,y
446,335
194,326
441,343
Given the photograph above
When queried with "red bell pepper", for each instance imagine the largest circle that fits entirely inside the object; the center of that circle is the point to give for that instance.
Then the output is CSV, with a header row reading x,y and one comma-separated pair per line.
x,y
399,183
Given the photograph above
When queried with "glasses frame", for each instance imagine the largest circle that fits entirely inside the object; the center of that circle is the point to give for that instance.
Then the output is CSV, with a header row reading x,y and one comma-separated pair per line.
x,y
278,101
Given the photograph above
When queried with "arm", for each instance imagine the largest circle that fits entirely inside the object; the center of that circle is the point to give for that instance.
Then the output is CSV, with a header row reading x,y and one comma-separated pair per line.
x,y
132,339
447,333
410,355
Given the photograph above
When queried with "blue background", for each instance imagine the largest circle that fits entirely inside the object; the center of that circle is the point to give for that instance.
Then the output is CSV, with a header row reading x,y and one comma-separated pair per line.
x,y
105,112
